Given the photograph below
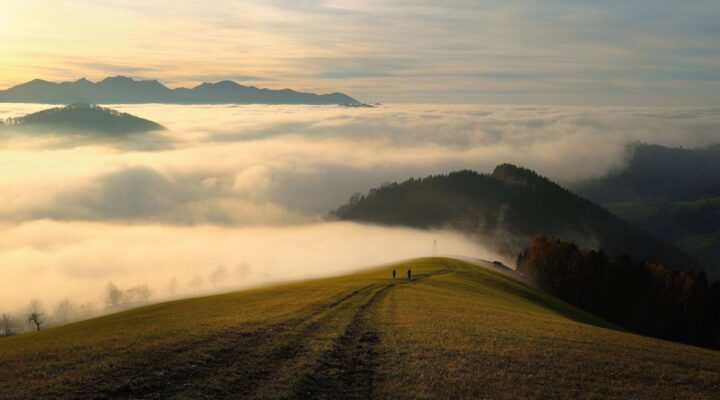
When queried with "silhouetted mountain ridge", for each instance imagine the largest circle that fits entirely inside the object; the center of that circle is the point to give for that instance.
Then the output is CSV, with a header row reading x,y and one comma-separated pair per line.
x,y
124,90
659,173
506,208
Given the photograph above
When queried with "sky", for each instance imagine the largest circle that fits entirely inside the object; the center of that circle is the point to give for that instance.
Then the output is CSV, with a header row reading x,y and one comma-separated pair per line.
x,y
544,52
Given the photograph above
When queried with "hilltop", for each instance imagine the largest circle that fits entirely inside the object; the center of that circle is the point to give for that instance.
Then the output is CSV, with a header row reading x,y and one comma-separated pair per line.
x,y
124,90
506,208
458,330
83,118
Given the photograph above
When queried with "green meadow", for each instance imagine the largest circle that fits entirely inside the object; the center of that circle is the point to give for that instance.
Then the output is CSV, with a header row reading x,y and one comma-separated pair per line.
x,y
457,330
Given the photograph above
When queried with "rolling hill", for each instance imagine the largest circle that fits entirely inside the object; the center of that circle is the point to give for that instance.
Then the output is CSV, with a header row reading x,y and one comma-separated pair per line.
x,y
83,118
671,193
124,90
458,330
506,209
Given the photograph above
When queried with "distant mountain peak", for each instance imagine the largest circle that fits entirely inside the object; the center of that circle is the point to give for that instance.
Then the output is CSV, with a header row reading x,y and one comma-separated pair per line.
x,y
118,78
518,175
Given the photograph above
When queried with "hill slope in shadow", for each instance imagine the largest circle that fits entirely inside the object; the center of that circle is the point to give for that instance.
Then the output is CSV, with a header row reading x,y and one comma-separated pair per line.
x,y
671,193
506,209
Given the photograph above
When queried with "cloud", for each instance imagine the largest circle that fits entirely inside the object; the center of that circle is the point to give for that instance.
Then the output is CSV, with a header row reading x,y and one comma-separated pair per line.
x,y
543,52
251,185
239,165
54,260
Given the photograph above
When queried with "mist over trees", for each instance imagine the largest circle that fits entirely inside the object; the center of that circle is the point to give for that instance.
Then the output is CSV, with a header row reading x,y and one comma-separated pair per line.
x,y
8,325
218,275
646,298
64,311
115,298
506,209
671,193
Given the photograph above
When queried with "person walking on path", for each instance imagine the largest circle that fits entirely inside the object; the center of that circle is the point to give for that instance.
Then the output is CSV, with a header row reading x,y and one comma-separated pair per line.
x,y
394,273
409,274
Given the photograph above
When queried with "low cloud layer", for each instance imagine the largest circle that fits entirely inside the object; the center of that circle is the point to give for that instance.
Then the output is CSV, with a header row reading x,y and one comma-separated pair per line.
x,y
56,260
239,165
251,186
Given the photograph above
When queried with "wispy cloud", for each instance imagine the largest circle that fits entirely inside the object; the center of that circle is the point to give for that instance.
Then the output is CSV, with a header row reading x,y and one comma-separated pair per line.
x,y
550,51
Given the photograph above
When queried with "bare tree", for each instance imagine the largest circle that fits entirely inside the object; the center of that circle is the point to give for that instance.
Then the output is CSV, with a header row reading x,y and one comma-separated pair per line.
x,y
143,292
85,310
196,282
137,294
218,275
64,311
242,271
7,325
172,286
113,295
36,313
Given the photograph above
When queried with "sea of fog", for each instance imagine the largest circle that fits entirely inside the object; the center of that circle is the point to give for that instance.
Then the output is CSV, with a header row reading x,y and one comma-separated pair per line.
x,y
237,196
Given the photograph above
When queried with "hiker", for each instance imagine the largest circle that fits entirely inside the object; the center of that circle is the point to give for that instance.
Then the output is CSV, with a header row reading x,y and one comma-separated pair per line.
x,y
409,274
394,273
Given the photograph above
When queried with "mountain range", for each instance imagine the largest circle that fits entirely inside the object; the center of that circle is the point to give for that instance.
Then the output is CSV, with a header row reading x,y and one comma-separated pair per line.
x,y
124,90
505,210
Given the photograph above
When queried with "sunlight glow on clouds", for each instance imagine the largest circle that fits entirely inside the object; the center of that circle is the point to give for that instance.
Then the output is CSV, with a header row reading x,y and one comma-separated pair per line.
x,y
227,185
240,165
543,52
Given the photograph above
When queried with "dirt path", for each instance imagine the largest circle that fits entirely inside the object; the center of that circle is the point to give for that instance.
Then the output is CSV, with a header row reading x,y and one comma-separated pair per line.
x,y
348,370
282,359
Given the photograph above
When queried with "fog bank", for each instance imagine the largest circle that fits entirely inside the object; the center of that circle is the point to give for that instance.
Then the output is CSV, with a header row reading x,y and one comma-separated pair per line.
x,y
56,260
256,164
236,196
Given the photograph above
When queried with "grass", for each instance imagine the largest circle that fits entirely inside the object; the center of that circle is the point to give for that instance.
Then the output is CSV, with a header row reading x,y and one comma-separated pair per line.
x,y
457,331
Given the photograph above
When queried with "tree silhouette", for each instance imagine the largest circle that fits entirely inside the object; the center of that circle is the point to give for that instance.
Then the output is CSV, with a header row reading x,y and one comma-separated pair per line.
x,y
36,313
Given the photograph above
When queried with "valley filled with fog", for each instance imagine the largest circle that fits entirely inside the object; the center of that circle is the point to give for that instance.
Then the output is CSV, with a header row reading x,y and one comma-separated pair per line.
x,y
239,196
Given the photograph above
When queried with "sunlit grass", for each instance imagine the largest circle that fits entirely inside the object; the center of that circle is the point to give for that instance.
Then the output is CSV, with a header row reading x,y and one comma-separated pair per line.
x,y
465,331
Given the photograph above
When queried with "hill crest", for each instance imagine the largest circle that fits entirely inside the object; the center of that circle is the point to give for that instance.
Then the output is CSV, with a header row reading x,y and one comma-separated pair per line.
x,y
83,118
506,208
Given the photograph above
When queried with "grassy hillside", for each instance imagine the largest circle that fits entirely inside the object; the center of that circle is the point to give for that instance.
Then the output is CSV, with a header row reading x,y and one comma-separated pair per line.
x,y
457,330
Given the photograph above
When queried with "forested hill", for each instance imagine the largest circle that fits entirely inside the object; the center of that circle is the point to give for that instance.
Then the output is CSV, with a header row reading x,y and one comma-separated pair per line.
x,y
506,208
83,118
671,193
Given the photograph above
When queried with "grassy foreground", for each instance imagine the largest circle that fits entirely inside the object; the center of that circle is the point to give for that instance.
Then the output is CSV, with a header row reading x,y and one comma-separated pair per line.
x,y
457,331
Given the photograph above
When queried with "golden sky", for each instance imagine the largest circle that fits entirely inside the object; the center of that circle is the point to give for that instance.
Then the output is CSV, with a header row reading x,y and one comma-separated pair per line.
x,y
549,51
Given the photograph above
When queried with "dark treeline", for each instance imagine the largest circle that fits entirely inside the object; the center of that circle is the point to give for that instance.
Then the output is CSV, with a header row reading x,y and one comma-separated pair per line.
x,y
645,298
506,208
